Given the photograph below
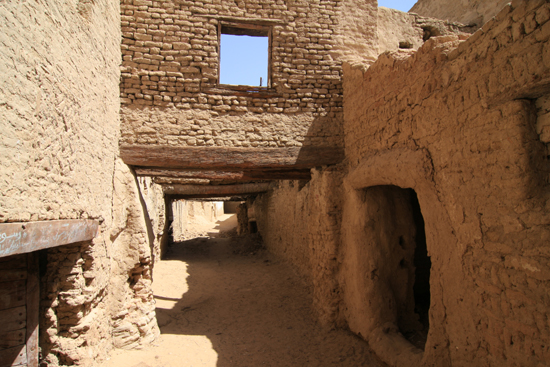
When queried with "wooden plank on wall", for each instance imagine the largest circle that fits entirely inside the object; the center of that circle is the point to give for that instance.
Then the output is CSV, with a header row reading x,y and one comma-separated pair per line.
x,y
13,318
13,262
16,356
227,158
19,238
12,294
10,339
14,274
33,303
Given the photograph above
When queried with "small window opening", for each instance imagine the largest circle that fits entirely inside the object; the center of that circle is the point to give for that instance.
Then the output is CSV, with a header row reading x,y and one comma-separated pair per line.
x,y
244,55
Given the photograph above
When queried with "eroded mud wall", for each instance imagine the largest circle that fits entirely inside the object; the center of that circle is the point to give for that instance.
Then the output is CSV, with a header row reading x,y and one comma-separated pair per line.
x,y
301,224
458,122
59,123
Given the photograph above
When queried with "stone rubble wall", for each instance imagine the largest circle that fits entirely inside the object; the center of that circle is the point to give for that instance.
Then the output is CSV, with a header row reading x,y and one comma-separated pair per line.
x,y
170,74
74,320
458,122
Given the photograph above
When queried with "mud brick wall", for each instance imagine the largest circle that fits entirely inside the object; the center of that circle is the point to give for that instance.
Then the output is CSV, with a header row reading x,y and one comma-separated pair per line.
x,y
169,85
463,123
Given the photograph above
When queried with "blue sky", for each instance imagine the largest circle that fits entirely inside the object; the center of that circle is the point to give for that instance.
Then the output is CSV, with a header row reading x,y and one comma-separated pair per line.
x,y
240,66
403,5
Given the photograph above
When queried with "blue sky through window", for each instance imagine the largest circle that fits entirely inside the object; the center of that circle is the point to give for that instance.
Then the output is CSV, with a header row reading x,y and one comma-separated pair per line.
x,y
243,60
403,5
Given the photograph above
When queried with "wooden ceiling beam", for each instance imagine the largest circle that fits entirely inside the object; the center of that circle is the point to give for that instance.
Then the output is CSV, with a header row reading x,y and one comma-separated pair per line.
x,y
204,191
228,158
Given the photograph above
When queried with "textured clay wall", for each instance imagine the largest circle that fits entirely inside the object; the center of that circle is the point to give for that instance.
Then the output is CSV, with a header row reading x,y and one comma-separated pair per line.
x,y
58,110
462,122
169,87
59,123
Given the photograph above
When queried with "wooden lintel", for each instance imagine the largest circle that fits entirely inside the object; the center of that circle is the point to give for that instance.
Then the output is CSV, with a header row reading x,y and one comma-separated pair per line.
x,y
203,191
24,237
227,158
219,175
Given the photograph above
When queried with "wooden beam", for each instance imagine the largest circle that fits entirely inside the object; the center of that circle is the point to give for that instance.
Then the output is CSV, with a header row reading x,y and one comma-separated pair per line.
x,y
218,175
183,173
24,237
202,191
227,159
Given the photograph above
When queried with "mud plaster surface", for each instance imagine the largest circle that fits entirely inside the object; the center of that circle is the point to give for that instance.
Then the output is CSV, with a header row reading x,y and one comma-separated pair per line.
x,y
219,308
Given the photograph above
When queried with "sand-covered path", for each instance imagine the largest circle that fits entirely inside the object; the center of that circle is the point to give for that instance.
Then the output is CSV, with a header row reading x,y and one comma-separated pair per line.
x,y
222,304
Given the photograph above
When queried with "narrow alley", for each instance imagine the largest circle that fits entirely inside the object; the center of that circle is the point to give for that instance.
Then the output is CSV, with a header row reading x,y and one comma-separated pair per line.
x,y
223,301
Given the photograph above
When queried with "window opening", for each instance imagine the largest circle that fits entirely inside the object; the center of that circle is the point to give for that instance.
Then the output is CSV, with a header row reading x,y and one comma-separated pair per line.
x,y
244,55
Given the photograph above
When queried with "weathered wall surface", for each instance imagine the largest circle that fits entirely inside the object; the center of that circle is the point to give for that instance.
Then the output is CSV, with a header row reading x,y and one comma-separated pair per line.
x,y
153,203
457,122
301,224
464,11
170,90
59,118
58,109
132,254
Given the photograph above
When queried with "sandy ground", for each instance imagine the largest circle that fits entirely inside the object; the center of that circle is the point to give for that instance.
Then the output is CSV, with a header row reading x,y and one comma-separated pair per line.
x,y
222,302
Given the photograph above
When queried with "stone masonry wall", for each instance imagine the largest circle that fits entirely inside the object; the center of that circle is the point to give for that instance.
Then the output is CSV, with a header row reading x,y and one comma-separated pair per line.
x,y
169,86
463,123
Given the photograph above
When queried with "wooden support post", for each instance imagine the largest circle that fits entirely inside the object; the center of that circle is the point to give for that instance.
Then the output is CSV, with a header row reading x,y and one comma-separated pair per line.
x,y
33,304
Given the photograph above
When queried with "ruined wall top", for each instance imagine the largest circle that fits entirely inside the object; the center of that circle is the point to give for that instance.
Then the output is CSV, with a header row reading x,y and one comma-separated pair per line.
x,y
463,11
